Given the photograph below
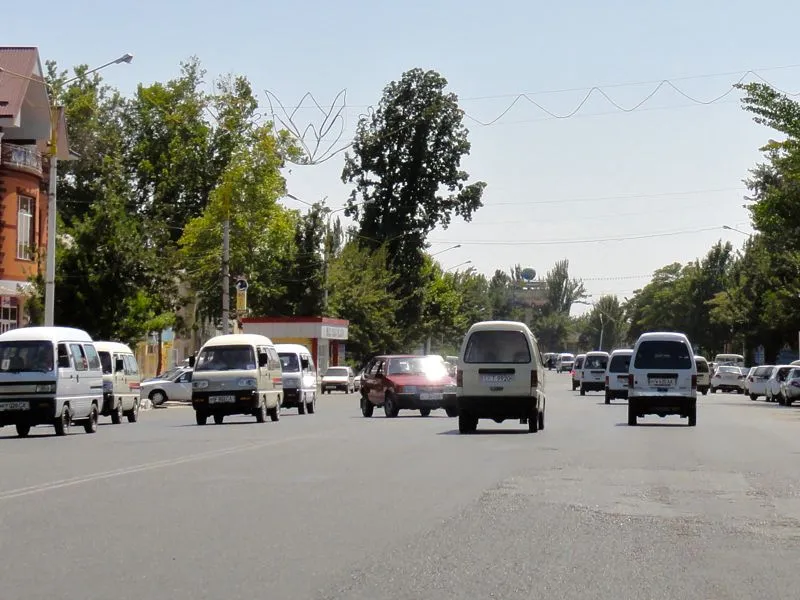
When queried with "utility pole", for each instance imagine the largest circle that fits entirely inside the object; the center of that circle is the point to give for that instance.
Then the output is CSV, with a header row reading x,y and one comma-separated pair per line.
x,y
602,329
226,257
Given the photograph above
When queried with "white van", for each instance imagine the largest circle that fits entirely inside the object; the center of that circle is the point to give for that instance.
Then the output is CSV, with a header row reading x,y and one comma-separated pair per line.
x,y
565,362
619,364
593,373
299,378
575,373
703,374
663,377
121,382
732,360
500,376
49,376
237,374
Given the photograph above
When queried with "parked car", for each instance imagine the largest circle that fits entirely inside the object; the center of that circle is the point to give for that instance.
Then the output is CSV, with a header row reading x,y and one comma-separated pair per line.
x,y
593,373
565,362
406,382
728,378
500,376
175,384
575,373
338,378
619,363
774,389
790,388
662,378
755,384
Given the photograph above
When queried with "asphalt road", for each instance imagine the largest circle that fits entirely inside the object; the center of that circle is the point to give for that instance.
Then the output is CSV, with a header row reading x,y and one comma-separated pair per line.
x,y
336,506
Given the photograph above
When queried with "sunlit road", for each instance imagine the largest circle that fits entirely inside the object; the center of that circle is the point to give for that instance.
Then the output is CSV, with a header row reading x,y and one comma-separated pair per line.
x,y
336,506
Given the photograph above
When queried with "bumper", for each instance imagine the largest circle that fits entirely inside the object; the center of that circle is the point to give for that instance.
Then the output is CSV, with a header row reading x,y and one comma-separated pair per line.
x,y
623,393
41,411
414,402
593,386
498,407
291,397
662,405
244,403
729,387
339,386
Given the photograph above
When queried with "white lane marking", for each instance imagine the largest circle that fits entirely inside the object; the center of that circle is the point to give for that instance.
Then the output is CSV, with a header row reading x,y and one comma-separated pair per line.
x,y
54,485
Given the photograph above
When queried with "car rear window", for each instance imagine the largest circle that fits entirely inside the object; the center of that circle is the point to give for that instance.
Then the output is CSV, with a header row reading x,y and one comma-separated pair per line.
x,y
663,354
497,347
620,363
763,371
579,362
702,366
595,362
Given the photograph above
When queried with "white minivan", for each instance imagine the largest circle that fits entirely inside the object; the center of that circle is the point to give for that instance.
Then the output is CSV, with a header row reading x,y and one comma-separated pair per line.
x,y
663,377
237,374
49,376
299,378
500,376
593,372
617,374
121,382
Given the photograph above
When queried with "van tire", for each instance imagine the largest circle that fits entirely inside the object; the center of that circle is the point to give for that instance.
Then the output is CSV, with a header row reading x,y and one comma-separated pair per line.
x,y
200,418
631,416
367,407
608,398
541,420
116,416
311,407
583,390
63,422
425,412
301,406
158,398
90,425
274,413
23,429
218,418
133,415
261,413
753,397
467,423
533,421
692,416
451,412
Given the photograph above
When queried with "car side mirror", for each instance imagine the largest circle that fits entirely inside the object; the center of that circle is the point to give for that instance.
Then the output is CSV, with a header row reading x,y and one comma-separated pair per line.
x,y
263,359
119,365
191,361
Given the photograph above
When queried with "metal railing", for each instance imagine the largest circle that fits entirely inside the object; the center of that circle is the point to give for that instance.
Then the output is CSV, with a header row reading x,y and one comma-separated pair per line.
x,y
21,158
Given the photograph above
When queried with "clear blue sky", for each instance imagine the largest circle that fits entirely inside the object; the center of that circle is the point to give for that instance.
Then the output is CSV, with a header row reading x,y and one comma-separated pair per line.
x,y
652,156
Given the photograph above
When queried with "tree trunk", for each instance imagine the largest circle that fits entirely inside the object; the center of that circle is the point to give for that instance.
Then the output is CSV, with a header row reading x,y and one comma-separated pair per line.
x,y
159,357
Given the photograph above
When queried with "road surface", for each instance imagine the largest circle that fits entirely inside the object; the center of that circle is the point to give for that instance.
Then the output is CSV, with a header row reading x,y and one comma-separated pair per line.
x,y
335,506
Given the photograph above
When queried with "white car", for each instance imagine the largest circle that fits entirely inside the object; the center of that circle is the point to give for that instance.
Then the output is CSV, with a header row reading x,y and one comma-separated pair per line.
x,y
617,374
728,379
703,374
755,384
575,373
175,384
338,378
663,378
593,374
791,387
774,392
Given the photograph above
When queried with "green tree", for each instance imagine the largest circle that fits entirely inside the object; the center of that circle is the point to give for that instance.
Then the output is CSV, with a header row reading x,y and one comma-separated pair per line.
x,y
562,290
307,280
406,167
607,322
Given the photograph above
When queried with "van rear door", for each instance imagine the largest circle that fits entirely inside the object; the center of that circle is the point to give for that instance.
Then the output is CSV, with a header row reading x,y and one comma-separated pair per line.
x,y
663,367
499,362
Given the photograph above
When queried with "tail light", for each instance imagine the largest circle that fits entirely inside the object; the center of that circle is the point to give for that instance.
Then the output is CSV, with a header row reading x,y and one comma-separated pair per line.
x,y
606,380
534,378
460,378
694,382
630,380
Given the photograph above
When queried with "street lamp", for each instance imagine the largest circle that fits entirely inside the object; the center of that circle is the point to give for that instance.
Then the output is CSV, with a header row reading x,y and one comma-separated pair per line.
x,y
600,314
729,228
446,250
466,262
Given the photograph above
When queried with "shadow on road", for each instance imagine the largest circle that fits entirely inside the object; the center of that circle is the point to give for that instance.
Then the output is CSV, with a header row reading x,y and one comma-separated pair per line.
x,y
487,432
625,424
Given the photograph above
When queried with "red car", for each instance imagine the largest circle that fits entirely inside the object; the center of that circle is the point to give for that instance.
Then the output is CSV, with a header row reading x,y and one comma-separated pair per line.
x,y
407,382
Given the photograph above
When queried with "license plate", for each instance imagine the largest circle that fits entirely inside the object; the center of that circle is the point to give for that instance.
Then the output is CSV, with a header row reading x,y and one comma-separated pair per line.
x,y
222,399
15,405
430,396
662,382
497,378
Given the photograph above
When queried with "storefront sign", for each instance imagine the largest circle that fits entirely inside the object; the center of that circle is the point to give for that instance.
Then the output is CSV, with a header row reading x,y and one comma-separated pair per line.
x,y
333,332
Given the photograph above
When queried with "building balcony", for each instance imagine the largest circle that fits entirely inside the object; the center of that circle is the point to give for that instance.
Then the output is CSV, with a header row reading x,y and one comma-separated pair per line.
x,y
21,158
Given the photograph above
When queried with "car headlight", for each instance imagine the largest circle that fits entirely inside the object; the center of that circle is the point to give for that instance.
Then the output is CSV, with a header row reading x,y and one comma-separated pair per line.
x,y
408,389
45,388
247,382
199,384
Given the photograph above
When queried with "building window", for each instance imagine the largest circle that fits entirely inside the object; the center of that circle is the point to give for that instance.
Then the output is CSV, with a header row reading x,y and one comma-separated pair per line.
x,y
25,243
8,316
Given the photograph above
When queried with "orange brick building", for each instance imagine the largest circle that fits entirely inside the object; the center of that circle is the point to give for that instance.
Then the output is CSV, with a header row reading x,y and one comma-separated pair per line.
x,y
24,140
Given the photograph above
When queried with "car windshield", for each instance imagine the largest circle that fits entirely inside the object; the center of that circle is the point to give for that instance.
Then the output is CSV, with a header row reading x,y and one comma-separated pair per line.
x,y
416,366
567,357
595,362
170,373
289,362
105,360
498,347
620,363
16,357
337,372
226,358
663,354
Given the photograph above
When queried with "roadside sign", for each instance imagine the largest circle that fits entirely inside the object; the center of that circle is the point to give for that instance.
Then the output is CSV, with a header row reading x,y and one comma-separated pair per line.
x,y
241,300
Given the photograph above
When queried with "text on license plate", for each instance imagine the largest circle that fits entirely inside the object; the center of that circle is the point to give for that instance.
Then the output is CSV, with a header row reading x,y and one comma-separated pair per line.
x,y
662,381
228,399
15,405
497,378
430,396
